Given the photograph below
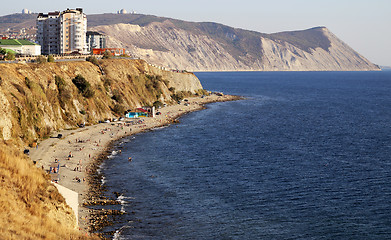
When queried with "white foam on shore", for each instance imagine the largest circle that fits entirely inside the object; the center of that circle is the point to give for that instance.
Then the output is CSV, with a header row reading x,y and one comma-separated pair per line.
x,y
122,199
116,235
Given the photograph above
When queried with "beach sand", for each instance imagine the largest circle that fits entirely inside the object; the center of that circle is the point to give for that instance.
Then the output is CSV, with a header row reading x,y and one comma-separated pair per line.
x,y
85,145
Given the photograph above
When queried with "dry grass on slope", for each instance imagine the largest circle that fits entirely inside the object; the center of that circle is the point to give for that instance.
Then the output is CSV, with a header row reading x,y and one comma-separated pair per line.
x,y
31,207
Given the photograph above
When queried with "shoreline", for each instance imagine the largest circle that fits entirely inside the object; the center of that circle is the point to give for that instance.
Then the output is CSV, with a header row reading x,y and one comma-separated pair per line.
x,y
80,152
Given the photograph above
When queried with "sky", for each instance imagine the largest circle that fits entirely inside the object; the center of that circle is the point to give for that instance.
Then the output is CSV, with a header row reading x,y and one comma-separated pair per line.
x,y
365,25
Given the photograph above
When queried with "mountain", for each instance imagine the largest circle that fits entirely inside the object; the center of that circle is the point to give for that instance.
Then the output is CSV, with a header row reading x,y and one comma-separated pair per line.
x,y
17,21
216,47
207,46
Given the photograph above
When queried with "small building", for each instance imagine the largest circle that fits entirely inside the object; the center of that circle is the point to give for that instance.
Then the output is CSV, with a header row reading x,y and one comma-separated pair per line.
x,y
150,110
141,112
21,46
95,40
113,51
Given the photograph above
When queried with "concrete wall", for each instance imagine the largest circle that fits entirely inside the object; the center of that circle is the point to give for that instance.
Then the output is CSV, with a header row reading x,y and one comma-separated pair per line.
x,y
34,50
71,198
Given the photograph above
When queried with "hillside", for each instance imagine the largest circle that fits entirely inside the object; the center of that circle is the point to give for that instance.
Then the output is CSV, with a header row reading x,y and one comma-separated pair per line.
x,y
17,21
31,207
207,46
216,47
38,99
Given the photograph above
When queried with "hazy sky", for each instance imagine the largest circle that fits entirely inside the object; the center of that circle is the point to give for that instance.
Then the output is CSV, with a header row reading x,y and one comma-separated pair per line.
x,y
363,24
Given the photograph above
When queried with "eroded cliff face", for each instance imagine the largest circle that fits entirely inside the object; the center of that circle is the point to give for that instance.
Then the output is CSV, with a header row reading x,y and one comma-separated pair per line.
x,y
34,103
338,57
165,44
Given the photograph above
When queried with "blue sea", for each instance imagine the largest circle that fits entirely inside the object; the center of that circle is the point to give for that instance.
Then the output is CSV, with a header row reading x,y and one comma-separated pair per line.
x,y
307,155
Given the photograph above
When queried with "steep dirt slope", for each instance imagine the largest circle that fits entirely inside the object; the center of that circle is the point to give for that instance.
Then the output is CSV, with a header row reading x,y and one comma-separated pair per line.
x,y
31,207
36,99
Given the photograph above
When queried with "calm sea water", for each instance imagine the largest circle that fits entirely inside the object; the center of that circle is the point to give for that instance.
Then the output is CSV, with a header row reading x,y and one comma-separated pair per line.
x,y
305,156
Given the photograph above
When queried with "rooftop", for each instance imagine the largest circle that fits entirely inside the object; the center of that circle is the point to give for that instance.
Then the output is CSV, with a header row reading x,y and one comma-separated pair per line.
x,y
9,42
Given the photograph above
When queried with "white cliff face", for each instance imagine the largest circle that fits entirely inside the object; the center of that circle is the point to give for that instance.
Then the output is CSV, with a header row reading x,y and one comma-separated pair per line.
x,y
339,57
165,45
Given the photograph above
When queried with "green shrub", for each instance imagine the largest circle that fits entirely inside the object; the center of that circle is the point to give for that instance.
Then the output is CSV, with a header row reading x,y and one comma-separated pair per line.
x,y
60,82
3,51
50,58
82,112
177,96
119,109
107,55
92,60
107,84
28,82
10,56
64,94
84,86
88,93
158,104
201,92
40,59
81,83
117,96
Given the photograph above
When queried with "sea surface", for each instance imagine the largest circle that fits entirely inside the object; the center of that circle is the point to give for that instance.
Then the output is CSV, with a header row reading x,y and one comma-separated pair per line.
x,y
307,155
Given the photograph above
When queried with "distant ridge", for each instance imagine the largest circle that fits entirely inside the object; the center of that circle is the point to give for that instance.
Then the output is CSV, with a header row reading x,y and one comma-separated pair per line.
x,y
207,46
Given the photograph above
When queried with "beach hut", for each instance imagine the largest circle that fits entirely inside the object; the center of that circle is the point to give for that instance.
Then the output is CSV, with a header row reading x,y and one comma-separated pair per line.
x,y
139,112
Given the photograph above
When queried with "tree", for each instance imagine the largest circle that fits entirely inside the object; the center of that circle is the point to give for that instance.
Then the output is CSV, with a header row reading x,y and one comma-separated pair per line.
x,y
93,60
50,58
10,56
40,59
107,55
3,51
158,104
84,86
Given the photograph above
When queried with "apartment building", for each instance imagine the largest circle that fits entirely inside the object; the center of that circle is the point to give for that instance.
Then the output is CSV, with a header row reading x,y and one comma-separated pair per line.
x,y
62,32
95,40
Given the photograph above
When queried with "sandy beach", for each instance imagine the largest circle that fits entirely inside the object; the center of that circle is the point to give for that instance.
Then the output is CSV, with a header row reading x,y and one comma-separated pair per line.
x,y
78,148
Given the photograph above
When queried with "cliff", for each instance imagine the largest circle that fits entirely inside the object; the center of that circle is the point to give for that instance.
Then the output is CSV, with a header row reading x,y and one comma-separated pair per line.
x,y
216,47
37,99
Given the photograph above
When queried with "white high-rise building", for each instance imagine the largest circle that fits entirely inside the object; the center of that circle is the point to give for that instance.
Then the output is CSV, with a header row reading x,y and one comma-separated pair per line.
x,y
62,33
